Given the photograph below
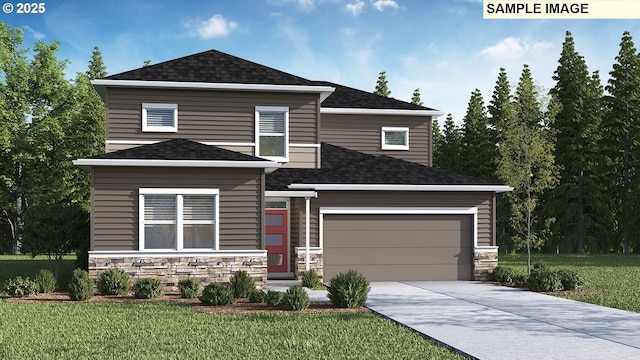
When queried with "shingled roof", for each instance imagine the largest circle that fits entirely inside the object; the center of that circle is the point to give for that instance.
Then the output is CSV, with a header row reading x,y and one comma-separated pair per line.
x,y
178,149
217,67
345,166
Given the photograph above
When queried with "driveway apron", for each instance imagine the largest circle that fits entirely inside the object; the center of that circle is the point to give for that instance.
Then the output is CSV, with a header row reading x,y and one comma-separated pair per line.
x,y
487,321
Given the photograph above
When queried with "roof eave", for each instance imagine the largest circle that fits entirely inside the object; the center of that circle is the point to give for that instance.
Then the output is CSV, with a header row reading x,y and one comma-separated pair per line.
x,y
362,111
101,84
401,187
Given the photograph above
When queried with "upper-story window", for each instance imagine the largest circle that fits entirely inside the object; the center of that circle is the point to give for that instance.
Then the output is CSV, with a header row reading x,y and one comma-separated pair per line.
x,y
272,133
159,117
395,138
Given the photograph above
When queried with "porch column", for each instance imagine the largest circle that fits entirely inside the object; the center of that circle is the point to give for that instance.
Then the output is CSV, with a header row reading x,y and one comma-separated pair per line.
x,y
307,201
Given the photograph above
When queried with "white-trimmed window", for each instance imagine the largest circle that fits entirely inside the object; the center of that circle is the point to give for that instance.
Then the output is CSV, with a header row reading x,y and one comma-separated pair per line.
x,y
395,138
179,219
159,117
272,133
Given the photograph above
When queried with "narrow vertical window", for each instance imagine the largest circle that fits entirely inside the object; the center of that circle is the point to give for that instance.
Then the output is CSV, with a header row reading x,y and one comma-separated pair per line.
x,y
272,133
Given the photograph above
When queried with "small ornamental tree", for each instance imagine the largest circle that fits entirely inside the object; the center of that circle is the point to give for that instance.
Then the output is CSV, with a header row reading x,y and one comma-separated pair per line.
x,y
54,230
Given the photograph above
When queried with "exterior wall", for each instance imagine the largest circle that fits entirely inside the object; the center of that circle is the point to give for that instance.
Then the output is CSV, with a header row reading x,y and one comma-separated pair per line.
x,y
364,133
169,270
483,201
209,116
114,194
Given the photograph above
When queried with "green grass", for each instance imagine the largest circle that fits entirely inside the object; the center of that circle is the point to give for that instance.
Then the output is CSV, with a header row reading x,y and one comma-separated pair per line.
x,y
175,331
143,330
616,276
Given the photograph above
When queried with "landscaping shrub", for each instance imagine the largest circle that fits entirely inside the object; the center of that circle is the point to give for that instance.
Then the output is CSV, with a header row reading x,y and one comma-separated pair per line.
x,y
520,280
503,274
45,280
296,299
311,280
80,286
189,288
257,297
148,288
242,284
348,290
274,298
217,294
569,279
20,287
63,280
114,281
544,279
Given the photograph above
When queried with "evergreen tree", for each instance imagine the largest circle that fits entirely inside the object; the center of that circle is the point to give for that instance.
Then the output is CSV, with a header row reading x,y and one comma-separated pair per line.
x,y
97,68
447,155
525,163
478,152
621,136
416,98
437,141
382,85
577,200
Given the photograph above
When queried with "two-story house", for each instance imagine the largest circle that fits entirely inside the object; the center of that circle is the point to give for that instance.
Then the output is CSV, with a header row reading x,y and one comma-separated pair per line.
x,y
215,164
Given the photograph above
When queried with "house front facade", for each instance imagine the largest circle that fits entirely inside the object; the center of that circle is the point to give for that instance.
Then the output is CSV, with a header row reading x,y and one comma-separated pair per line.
x,y
216,164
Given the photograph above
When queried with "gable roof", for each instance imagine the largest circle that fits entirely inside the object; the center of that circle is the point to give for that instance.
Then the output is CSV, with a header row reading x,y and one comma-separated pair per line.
x,y
218,70
344,168
177,152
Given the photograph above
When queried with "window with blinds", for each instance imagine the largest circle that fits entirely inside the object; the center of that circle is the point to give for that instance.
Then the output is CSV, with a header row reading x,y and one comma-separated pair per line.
x,y
395,138
159,117
178,219
272,124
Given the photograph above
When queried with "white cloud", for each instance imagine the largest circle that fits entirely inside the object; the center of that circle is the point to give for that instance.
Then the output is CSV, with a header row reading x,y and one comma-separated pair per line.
x,y
513,48
356,7
36,34
216,26
381,5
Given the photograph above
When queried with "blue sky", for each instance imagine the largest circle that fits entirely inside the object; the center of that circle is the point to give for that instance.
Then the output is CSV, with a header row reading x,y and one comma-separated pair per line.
x,y
443,47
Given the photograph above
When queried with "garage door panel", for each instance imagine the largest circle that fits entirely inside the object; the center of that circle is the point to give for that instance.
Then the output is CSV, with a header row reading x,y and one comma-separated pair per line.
x,y
401,238
428,272
399,247
395,256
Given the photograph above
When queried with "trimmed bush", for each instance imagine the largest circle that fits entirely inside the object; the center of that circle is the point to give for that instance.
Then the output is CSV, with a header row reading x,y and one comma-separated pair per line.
x,y
114,281
189,288
520,280
544,279
257,297
274,298
242,284
20,287
348,290
217,294
148,288
80,285
311,280
569,279
295,299
503,274
45,280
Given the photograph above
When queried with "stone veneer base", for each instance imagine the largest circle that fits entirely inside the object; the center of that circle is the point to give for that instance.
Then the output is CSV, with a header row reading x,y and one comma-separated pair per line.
x,y
316,263
169,270
484,262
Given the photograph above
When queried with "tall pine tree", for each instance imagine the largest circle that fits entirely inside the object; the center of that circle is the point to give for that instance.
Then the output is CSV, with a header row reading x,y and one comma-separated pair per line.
x,y
621,137
577,200
447,155
478,152
437,140
415,99
382,86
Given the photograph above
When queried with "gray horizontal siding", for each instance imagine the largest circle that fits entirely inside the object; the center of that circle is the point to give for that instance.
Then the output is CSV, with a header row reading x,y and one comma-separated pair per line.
x,y
363,133
114,218
483,201
203,115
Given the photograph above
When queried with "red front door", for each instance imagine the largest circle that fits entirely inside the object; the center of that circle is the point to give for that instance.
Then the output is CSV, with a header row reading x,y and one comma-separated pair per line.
x,y
276,241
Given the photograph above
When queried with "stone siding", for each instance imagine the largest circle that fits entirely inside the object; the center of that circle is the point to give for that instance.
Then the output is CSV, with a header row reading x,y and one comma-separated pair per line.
x,y
169,270
484,262
315,263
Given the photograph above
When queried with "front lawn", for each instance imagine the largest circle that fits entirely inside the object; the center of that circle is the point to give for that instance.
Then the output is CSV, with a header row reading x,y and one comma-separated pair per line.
x,y
616,277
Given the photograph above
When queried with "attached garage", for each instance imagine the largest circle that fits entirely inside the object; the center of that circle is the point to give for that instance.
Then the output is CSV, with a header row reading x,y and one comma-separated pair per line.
x,y
399,244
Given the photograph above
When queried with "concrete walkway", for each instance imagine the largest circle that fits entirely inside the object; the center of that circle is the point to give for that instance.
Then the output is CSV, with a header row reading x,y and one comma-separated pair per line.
x,y
488,321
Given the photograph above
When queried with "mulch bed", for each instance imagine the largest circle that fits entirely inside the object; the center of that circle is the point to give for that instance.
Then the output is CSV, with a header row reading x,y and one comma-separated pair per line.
x,y
242,306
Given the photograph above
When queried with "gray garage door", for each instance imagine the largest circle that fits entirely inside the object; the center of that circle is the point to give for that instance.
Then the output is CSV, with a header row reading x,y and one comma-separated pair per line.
x,y
399,247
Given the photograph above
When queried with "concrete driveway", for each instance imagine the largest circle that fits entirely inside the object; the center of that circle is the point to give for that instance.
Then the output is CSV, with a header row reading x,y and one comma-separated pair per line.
x,y
488,321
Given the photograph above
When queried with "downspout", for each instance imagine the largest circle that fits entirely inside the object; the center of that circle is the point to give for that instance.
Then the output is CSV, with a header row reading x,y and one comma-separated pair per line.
x,y
307,201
